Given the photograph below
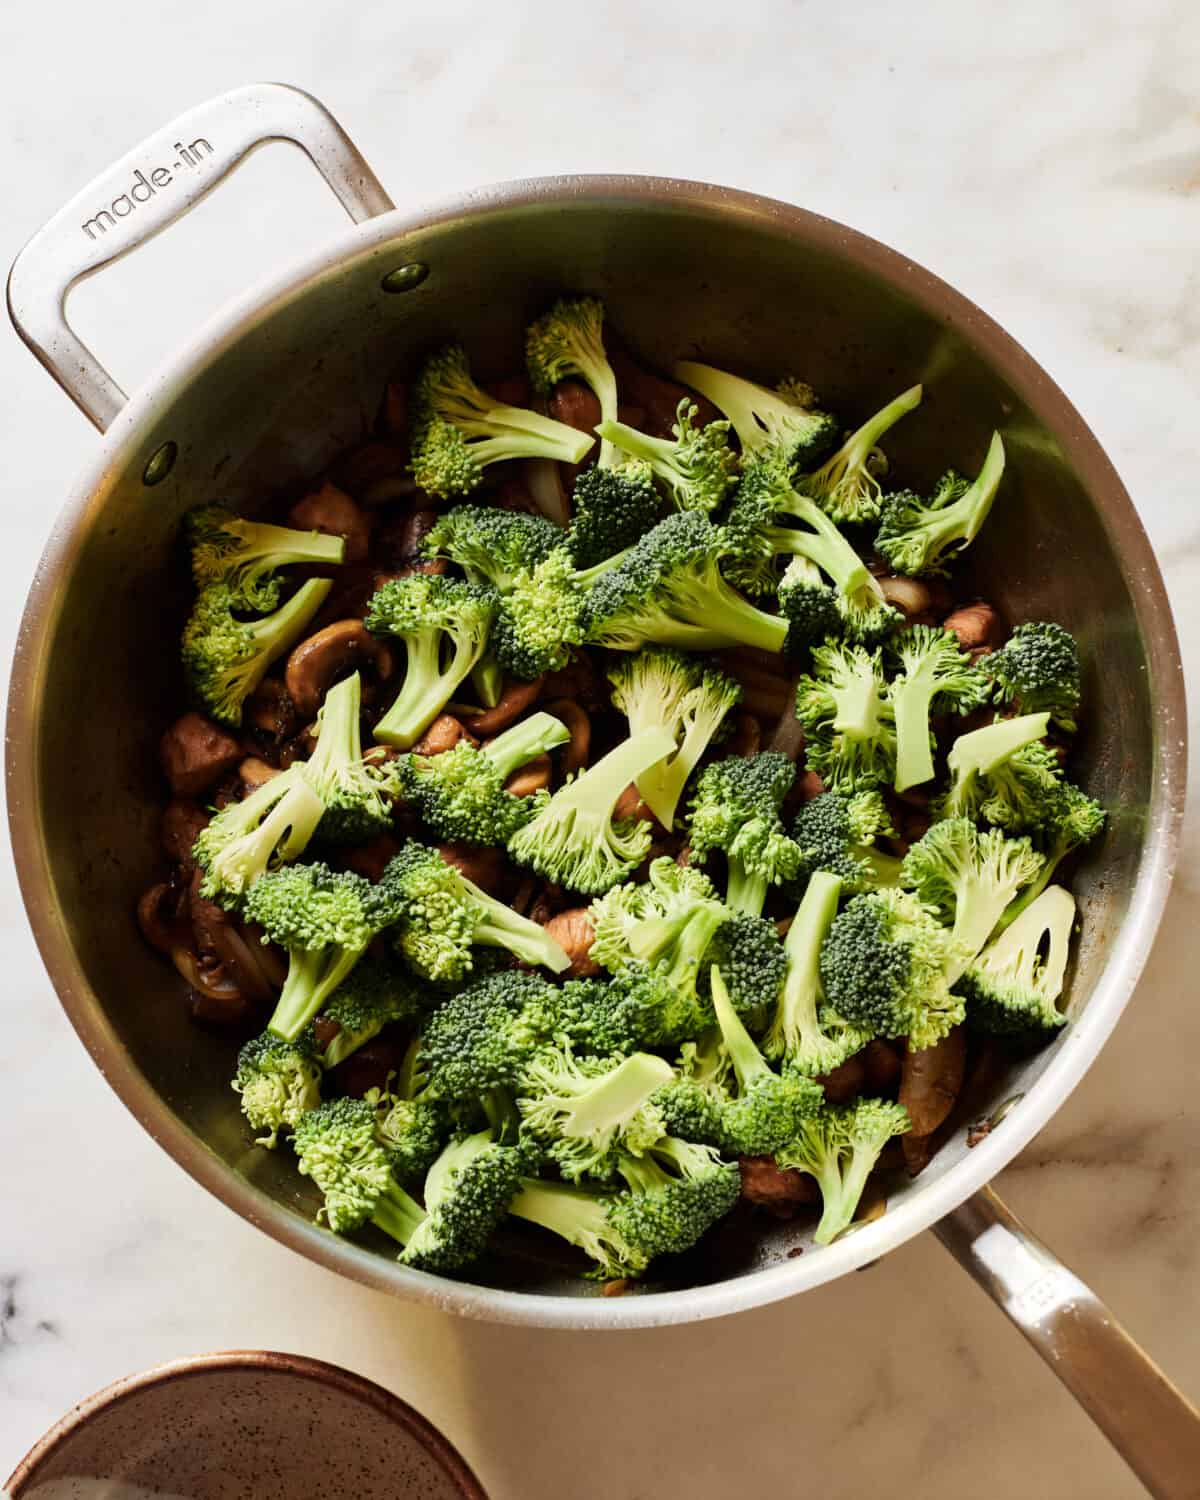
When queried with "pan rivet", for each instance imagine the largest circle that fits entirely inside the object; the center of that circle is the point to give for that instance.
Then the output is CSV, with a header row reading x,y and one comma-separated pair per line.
x,y
404,278
160,463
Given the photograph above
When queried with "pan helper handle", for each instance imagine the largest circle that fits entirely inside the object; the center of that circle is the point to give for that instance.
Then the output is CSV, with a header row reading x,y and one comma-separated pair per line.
x,y
148,189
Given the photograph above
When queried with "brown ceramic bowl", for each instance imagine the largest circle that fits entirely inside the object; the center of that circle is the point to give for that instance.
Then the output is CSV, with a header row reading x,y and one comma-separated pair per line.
x,y
248,1422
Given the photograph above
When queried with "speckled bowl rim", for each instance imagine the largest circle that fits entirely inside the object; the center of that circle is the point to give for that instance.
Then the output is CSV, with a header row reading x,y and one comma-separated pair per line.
x,y
265,1362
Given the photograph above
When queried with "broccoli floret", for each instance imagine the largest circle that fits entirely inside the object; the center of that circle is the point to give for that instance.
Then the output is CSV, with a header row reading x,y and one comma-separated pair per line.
x,y
409,1126
245,556
839,1147
883,966
325,919
598,1016
936,676
919,536
278,1082
837,834
785,421
752,962
444,625
271,826
691,1112
1075,819
441,915
612,509
338,1148
539,621
668,589
374,994
1014,984
574,839
735,809
484,1036
356,808
796,1036
459,429
848,718
491,545
697,466
808,604
1005,775
585,1111
225,658
845,485
968,878
581,1218
467,1192
569,340
1038,669
661,686
769,1107
460,793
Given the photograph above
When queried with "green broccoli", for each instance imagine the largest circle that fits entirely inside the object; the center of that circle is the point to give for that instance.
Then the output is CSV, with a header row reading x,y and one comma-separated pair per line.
x,y
848,718
612,508
338,1147
839,1147
837,834
936,676
845,485
796,1035
444,625
1011,986
539,621
1074,820
569,340
574,839
768,1107
245,556
373,995
325,919
483,1037
661,686
785,421
411,1129
459,430
883,967
356,808
225,658
697,466
468,1190
807,603
691,1111
1004,775
750,956
735,809
585,1111
1038,669
271,826
441,916
668,589
919,536
278,1082
491,545
460,793
968,877
600,1016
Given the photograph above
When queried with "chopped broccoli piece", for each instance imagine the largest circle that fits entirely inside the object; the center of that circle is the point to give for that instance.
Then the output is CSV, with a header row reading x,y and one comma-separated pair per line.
x,y
697,467
409,1126
269,827
491,545
484,1036
735,809
338,1148
1038,669
847,715
540,619
883,966
460,792
245,556
808,604
325,919
1005,775
467,1192
668,589
752,962
460,429
598,1016
661,686
691,1111
1011,987
837,833
845,485
569,340
839,1147
444,625
574,839
613,508
278,1082
356,808
225,658
936,676
374,994
919,536
1075,819
785,421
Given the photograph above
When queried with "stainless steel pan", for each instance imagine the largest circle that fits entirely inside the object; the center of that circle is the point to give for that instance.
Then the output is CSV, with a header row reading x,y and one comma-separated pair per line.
x,y
282,380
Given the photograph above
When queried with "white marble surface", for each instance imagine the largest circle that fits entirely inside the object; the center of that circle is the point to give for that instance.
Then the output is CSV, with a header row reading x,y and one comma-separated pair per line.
x,y
1045,157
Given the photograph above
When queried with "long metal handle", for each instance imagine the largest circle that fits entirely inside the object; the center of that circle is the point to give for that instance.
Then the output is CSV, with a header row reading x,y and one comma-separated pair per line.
x,y
148,189
1152,1424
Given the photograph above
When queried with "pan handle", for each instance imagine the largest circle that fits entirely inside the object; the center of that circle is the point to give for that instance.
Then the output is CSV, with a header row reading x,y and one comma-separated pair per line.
x,y
147,190
1152,1424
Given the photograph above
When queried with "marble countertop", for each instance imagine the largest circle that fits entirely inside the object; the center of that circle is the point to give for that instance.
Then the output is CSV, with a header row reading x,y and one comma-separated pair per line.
x,y
1047,162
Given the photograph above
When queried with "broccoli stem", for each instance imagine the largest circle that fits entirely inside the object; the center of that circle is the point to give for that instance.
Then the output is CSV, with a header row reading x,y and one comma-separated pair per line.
x,y
599,788
487,677
1057,853
575,1215
501,927
912,699
524,742
311,978
748,1061
616,1097
274,633
745,892
685,936
842,1201
855,451
397,1214
795,1028
339,737
824,545
427,687
981,751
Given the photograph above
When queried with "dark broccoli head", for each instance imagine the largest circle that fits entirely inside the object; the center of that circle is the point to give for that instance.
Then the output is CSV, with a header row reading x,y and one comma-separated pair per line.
x,y
467,1193
375,993
1038,669
612,509
836,834
735,810
484,1036
600,1016
675,1193
696,466
919,536
336,1145
750,956
1015,983
491,545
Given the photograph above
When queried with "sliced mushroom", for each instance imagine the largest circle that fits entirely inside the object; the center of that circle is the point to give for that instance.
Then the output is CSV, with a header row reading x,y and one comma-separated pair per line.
x,y
930,1080
486,867
163,919
978,626
573,929
254,773
579,726
270,709
780,1190
332,511
318,662
514,700
882,1066
532,777
443,734
845,1082
630,805
911,596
